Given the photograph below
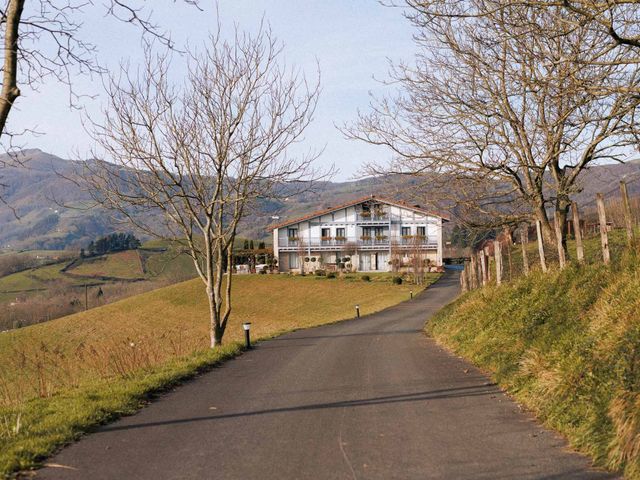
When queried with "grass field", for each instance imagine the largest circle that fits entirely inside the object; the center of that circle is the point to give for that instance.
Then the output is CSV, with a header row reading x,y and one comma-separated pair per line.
x,y
126,265
61,377
566,345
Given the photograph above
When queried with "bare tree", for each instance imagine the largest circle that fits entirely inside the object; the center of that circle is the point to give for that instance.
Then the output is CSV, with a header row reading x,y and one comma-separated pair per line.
x,y
619,19
201,153
504,109
43,40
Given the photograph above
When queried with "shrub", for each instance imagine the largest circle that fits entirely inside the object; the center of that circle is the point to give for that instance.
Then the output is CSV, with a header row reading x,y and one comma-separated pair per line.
x,y
306,259
366,278
348,277
331,275
313,259
320,273
341,265
396,280
345,259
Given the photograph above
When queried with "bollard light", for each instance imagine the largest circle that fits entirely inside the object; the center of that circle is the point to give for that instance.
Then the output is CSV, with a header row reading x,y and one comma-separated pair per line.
x,y
358,311
247,339
411,293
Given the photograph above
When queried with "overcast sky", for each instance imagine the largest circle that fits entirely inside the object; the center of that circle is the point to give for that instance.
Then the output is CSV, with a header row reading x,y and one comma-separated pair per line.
x,y
351,40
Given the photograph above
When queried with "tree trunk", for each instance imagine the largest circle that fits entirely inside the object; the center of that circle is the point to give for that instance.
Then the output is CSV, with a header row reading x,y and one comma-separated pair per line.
x,y
215,332
547,230
10,90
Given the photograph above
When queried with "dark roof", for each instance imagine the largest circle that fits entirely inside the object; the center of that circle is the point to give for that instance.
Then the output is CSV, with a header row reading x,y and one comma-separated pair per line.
x,y
396,203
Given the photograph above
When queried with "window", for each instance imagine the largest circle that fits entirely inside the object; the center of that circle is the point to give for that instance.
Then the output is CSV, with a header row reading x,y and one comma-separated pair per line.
x,y
405,231
340,234
326,233
421,231
294,260
293,233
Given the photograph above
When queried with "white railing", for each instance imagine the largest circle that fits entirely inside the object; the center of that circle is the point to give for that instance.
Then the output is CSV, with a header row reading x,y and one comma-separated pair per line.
x,y
332,242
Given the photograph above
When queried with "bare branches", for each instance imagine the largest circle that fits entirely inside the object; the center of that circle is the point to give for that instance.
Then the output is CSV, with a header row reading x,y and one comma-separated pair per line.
x,y
43,40
201,153
505,107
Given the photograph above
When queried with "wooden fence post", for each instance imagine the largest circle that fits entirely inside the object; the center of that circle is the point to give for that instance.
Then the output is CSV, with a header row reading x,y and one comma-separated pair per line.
x,y
463,279
604,237
543,261
497,251
524,240
483,266
473,272
577,232
562,259
628,220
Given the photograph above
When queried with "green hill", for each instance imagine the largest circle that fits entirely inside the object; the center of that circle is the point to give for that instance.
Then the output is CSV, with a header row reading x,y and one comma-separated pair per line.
x,y
567,346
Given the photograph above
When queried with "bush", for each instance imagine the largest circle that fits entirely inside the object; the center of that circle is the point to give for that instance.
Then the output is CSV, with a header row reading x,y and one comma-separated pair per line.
x,y
320,273
396,280
306,259
313,259
331,275
366,278
341,265
348,277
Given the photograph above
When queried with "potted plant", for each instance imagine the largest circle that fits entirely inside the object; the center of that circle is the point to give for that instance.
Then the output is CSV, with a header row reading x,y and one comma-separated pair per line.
x,y
306,259
313,259
380,213
381,238
365,238
293,239
365,214
340,238
325,239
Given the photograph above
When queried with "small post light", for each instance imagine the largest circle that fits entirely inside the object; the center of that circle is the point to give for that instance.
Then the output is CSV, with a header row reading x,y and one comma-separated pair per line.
x,y
247,339
357,311
411,293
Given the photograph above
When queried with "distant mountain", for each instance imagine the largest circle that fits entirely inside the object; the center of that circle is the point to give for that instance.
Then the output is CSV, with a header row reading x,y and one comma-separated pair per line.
x,y
38,191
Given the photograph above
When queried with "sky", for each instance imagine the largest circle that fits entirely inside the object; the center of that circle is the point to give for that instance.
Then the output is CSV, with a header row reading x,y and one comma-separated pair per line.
x,y
352,41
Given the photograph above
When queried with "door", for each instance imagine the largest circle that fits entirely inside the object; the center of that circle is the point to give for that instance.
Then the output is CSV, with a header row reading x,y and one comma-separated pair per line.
x,y
365,262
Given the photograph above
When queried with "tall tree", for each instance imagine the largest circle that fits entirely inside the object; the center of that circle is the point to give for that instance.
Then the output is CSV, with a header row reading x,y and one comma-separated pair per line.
x,y
504,108
202,152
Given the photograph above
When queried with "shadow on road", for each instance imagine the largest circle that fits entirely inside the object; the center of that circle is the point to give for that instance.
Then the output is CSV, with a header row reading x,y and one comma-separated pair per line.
x,y
471,391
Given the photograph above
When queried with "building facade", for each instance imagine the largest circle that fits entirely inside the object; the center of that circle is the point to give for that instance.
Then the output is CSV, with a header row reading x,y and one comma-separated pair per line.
x,y
369,234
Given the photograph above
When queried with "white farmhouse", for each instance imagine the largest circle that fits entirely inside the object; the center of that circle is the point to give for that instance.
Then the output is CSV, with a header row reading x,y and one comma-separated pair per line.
x,y
368,234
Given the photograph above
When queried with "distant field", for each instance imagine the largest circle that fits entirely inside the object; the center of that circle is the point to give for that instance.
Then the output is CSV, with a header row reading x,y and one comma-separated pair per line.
x,y
126,265
60,377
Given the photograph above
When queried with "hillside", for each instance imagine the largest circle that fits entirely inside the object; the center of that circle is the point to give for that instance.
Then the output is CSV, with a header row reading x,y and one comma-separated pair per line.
x,y
40,192
60,378
59,287
567,346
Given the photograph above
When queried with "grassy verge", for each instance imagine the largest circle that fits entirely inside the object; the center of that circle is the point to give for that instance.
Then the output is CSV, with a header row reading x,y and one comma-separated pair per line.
x,y
567,346
62,378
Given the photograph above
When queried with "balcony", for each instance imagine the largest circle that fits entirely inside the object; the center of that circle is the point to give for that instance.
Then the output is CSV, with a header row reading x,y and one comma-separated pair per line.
x,y
372,218
375,242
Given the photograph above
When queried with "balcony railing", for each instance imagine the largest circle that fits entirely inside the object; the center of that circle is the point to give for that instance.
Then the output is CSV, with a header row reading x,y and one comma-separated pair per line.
x,y
363,217
361,242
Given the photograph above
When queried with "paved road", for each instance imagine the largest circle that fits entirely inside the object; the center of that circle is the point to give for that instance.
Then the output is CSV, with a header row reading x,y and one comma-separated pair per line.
x,y
365,399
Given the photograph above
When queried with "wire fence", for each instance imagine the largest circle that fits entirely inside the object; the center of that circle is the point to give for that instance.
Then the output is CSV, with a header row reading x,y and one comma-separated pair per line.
x,y
598,231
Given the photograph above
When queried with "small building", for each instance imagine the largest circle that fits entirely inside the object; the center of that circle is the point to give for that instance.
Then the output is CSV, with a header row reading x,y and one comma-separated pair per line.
x,y
367,234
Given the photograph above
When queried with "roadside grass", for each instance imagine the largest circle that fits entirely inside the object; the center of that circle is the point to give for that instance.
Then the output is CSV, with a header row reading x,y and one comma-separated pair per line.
x,y
64,377
567,346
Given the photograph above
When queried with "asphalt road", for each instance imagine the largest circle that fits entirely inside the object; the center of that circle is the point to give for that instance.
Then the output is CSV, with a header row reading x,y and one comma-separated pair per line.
x,y
365,399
